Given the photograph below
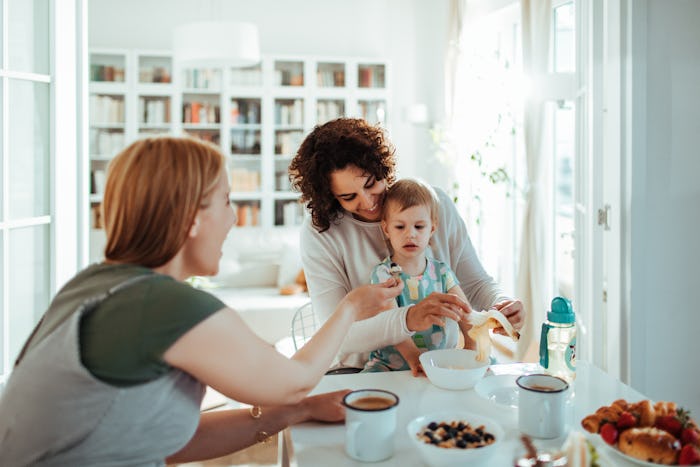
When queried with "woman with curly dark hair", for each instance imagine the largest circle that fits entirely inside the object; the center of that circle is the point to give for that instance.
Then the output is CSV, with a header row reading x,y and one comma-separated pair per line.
x,y
342,170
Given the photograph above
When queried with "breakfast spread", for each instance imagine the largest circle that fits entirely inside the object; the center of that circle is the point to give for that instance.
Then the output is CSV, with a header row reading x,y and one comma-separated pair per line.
x,y
481,322
455,434
661,433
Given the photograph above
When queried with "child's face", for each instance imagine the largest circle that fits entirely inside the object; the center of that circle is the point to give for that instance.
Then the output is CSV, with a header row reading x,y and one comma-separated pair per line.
x,y
409,231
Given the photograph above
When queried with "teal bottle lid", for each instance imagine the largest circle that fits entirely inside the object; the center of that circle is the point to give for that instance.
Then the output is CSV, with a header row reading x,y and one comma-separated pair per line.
x,y
562,311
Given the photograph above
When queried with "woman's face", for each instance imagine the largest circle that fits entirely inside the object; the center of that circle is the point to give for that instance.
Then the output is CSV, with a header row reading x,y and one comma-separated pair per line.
x,y
358,192
212,224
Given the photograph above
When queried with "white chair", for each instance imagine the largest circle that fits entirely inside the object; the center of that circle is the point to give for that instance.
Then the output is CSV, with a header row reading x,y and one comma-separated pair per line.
x,y
304,325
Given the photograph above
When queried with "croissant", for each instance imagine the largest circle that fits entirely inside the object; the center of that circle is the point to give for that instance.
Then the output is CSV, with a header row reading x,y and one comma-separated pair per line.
x,y
611,413
646,414
591,423
662,408
621,403
606,413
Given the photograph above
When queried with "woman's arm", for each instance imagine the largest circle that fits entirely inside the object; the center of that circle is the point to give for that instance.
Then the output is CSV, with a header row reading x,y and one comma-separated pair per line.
x,y
225,354
326,263
223,432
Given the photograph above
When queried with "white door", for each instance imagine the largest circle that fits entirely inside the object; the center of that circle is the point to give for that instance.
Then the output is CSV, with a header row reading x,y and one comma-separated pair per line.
x,y
599,188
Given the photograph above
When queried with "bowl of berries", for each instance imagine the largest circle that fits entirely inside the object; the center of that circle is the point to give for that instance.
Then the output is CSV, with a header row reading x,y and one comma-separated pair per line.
x,y
647,433
449,438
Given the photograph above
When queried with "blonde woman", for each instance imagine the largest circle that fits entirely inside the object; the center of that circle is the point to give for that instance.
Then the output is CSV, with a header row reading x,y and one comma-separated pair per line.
x,y
115,371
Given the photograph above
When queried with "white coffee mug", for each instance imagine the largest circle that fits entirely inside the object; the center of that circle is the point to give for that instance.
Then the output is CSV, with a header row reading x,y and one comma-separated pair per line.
x,y
542,405
370,424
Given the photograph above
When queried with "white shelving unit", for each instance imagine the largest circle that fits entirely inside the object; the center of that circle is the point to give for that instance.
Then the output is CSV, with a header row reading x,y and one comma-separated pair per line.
x,y
258,115
131,96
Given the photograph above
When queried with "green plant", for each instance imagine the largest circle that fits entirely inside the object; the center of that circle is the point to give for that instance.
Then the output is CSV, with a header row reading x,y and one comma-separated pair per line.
x,y
496,175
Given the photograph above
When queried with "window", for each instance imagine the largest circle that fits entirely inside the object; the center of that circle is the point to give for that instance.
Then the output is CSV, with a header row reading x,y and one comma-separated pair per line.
x,y
35,154
487,139
562,127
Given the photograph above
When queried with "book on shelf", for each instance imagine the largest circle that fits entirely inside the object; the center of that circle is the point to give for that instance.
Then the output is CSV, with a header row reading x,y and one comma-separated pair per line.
x,y
200,112
96,214
247,215
243,180
105,109
155,74
105,143
291,213
97,180
365,77
106,73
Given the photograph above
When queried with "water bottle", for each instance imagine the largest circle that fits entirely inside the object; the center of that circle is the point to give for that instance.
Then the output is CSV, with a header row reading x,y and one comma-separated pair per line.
x,y
558,340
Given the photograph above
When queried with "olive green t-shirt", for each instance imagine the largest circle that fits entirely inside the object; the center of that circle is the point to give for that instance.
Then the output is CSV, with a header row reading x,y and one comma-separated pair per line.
x,y
123,340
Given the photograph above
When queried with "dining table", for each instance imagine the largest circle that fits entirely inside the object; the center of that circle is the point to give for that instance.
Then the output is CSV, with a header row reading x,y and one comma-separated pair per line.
x,y
315,444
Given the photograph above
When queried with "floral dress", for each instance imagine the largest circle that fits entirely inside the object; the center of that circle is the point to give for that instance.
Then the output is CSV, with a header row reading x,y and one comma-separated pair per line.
x,y
437,277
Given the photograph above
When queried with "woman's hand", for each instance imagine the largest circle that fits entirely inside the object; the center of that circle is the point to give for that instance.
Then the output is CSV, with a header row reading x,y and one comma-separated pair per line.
x,y
434,308
369,300
327,407
514,312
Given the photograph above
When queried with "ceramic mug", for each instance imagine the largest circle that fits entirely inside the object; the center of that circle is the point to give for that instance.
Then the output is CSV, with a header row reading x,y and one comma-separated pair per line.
x,y
370,424
542,405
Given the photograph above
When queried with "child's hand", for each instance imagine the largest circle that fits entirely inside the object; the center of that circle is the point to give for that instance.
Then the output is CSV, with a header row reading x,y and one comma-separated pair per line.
x,y
411,354
416,367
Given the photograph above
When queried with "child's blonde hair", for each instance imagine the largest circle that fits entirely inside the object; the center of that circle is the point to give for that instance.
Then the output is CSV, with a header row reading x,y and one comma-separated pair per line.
x,y
409,192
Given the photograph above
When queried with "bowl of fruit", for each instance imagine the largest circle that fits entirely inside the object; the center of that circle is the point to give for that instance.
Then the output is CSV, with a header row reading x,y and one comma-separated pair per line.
x,y
647,433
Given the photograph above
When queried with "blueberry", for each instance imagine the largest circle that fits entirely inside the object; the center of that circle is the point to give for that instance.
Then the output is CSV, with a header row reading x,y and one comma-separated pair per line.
x,y
433,426
461,444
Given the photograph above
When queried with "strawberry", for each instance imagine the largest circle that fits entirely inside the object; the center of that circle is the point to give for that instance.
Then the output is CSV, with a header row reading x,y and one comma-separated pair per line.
x,y
609,433
689,455
626,420
689,436
669,423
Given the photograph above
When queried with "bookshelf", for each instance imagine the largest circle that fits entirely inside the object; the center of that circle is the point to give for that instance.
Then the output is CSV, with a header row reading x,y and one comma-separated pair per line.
x,y
258,115
130,97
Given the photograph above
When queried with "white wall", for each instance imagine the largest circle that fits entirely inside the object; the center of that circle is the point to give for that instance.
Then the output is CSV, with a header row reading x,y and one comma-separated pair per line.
x,y
665,258
410,34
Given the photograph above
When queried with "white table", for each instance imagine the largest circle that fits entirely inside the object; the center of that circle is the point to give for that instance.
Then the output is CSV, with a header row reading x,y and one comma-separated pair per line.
x,y
322,445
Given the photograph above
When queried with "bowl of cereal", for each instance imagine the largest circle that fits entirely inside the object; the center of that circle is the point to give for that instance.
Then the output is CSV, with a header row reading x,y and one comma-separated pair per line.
x,y
453,368
450,437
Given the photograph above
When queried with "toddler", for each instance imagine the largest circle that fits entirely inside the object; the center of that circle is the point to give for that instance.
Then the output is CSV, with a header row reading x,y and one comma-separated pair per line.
x,y
409,219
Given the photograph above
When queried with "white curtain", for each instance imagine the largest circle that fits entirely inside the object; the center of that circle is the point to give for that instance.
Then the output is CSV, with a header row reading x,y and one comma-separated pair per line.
x,y
534,271
457,8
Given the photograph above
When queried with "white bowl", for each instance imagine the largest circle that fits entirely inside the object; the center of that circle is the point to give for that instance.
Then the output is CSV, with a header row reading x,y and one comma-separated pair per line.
x,y
453,368
436,456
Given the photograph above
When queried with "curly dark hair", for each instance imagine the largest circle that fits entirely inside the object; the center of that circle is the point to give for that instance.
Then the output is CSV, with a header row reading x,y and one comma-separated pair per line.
x,y
334,146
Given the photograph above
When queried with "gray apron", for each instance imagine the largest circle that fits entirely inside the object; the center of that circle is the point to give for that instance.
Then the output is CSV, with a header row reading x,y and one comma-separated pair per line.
x,y
53,412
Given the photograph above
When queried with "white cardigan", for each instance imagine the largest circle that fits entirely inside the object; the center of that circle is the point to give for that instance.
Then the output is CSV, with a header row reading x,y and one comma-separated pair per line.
x,y
341,259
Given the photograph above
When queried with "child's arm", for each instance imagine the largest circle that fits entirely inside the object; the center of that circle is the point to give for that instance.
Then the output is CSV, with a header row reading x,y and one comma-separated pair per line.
x,y
411,354
464,325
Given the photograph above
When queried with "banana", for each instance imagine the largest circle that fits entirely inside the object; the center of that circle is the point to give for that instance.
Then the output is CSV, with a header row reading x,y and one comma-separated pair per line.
x,y
481,322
